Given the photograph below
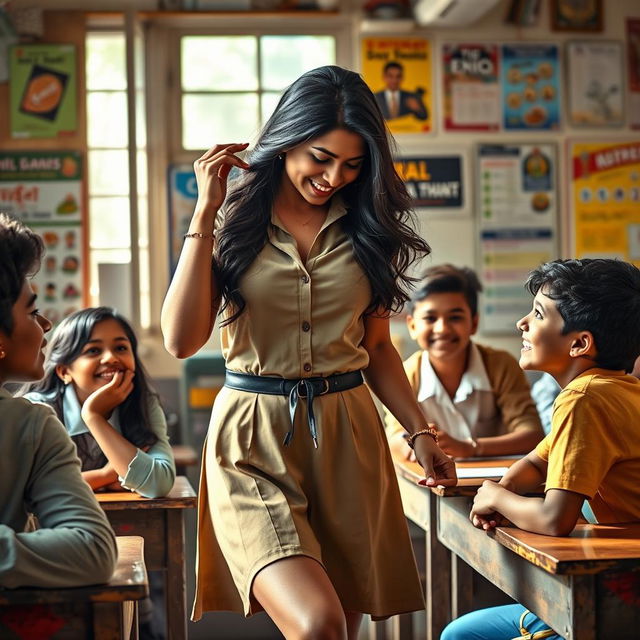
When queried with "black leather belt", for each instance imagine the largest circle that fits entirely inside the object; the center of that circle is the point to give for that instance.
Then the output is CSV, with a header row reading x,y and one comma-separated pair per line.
x,y
295,389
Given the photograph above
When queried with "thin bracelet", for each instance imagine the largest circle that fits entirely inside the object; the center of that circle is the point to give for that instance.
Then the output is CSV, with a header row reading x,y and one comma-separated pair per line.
x,y
429,431
197,234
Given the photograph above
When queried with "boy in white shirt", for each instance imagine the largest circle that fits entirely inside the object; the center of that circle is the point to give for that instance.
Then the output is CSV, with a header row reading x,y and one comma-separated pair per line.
x,y
476,395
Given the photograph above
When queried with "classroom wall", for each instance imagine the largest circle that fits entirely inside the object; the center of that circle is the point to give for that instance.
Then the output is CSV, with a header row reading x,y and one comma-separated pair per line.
x,y
453,239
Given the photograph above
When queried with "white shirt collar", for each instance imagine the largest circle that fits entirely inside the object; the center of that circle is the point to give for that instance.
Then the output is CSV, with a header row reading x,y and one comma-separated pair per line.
x,y
473,379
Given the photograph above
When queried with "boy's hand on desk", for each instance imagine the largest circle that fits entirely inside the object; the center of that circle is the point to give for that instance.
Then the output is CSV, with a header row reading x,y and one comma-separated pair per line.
x,y
483,514
455,448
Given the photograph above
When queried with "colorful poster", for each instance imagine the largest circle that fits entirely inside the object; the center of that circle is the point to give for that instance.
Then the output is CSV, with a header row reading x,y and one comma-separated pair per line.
x,y
605,192
433,181
517,227
531,87
183,193
633,66
596,87
470,87
44,189
42,90
398,70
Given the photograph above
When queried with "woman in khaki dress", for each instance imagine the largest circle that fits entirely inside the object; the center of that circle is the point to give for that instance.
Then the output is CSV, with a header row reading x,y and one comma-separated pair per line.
x,y
300,513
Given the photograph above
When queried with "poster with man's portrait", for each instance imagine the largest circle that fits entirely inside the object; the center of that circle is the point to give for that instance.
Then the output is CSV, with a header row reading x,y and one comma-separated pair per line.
x,y
398,70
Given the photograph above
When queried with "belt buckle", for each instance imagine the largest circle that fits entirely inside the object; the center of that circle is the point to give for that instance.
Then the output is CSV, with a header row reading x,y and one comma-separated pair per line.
x,y
302,390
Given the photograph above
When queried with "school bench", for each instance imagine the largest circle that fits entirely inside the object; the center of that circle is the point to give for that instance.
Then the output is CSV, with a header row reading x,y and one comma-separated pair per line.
x,y
104,611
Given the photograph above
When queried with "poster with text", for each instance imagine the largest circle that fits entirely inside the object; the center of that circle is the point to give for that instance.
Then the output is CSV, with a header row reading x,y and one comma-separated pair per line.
x,y
633,66
42,90
605,194
434,182
44,189
183,194
471,91
596,87
398,71
517,203
531,87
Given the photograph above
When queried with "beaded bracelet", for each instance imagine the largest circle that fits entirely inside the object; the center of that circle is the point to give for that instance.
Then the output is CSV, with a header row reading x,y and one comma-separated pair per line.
x,y
197,234
429,431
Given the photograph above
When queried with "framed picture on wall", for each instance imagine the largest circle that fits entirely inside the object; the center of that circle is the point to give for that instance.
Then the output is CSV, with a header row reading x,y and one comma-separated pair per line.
x,y
596,83
576,15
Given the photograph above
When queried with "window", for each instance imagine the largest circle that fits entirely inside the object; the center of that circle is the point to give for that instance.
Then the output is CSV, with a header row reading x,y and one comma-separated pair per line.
x,y
230,84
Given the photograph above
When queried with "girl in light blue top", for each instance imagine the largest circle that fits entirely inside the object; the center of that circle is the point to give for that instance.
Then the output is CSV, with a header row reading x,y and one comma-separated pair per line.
x,y
97,385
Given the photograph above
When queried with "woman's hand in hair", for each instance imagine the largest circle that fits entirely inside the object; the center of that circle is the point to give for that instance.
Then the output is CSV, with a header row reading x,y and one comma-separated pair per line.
x,y
212,170
103,401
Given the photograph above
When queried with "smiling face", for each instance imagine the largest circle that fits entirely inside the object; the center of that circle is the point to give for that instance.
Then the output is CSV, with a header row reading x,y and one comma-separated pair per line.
x,y
442,324
319,168
544,347
107,351
23,356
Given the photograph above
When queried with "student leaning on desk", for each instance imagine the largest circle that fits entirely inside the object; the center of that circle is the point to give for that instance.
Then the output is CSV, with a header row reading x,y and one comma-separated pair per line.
x,y
477,395
583,330
40,471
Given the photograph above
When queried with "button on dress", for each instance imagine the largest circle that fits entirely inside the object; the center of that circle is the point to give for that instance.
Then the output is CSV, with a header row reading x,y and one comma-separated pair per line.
x,y
261,501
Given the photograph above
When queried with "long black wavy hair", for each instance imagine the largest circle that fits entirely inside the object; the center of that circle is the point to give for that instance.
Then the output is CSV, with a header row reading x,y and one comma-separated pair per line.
x,y
379,207
66,344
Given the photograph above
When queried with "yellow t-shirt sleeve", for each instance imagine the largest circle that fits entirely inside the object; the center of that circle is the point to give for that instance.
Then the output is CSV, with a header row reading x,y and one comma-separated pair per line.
x,y
578,450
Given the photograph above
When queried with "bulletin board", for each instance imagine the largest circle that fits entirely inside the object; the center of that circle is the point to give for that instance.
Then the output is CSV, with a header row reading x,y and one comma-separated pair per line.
x,y
605,199
517,204
45,189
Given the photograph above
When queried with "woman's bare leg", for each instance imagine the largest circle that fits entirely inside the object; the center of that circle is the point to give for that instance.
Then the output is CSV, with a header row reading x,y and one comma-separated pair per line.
x,y
298,596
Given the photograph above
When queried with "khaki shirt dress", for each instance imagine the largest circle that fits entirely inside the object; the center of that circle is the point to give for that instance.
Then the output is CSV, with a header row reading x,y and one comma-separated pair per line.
x,y
261,501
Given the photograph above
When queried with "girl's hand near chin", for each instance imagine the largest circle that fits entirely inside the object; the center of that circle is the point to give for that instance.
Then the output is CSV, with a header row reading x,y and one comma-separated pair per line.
x,y
103,401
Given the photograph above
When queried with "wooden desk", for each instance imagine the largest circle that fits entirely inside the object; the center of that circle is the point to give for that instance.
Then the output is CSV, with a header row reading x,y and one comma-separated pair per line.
x,y
160,521
98,611
585,586
448,581
184,456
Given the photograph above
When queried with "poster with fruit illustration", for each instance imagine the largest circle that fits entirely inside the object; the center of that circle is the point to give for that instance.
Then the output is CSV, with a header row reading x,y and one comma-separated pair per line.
x,y
42,90
44,189
531,87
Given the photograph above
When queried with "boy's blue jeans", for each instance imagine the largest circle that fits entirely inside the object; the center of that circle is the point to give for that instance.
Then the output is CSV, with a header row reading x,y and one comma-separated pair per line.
x,y
497,623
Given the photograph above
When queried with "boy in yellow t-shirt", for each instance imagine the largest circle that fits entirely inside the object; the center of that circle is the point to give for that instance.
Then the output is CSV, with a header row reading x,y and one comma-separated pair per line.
x,y
583,330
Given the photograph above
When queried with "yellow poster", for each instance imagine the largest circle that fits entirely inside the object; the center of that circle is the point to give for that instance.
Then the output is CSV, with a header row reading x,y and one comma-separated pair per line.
x,y
398,70
605,184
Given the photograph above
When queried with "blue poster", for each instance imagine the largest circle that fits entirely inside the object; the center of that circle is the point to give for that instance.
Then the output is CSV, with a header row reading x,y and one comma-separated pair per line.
x,y
183,194
530,87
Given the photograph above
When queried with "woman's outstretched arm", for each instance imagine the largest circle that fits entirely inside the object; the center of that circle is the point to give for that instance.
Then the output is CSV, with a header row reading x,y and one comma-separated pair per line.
x,y
192,301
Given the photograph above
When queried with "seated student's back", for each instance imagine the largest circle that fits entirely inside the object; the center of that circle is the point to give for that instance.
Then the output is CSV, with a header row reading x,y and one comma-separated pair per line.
x,y
39,469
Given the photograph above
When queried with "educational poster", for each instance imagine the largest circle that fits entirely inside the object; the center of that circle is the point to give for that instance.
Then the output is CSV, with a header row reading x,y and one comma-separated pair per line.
x,y
183,193
398,71
596,87
633,67
42,90
434,181
471,88
44,189
517,200
605,193
531,87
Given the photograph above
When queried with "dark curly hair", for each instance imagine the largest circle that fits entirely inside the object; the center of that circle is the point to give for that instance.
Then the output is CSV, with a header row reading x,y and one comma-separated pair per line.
x,y
597,295
20,254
